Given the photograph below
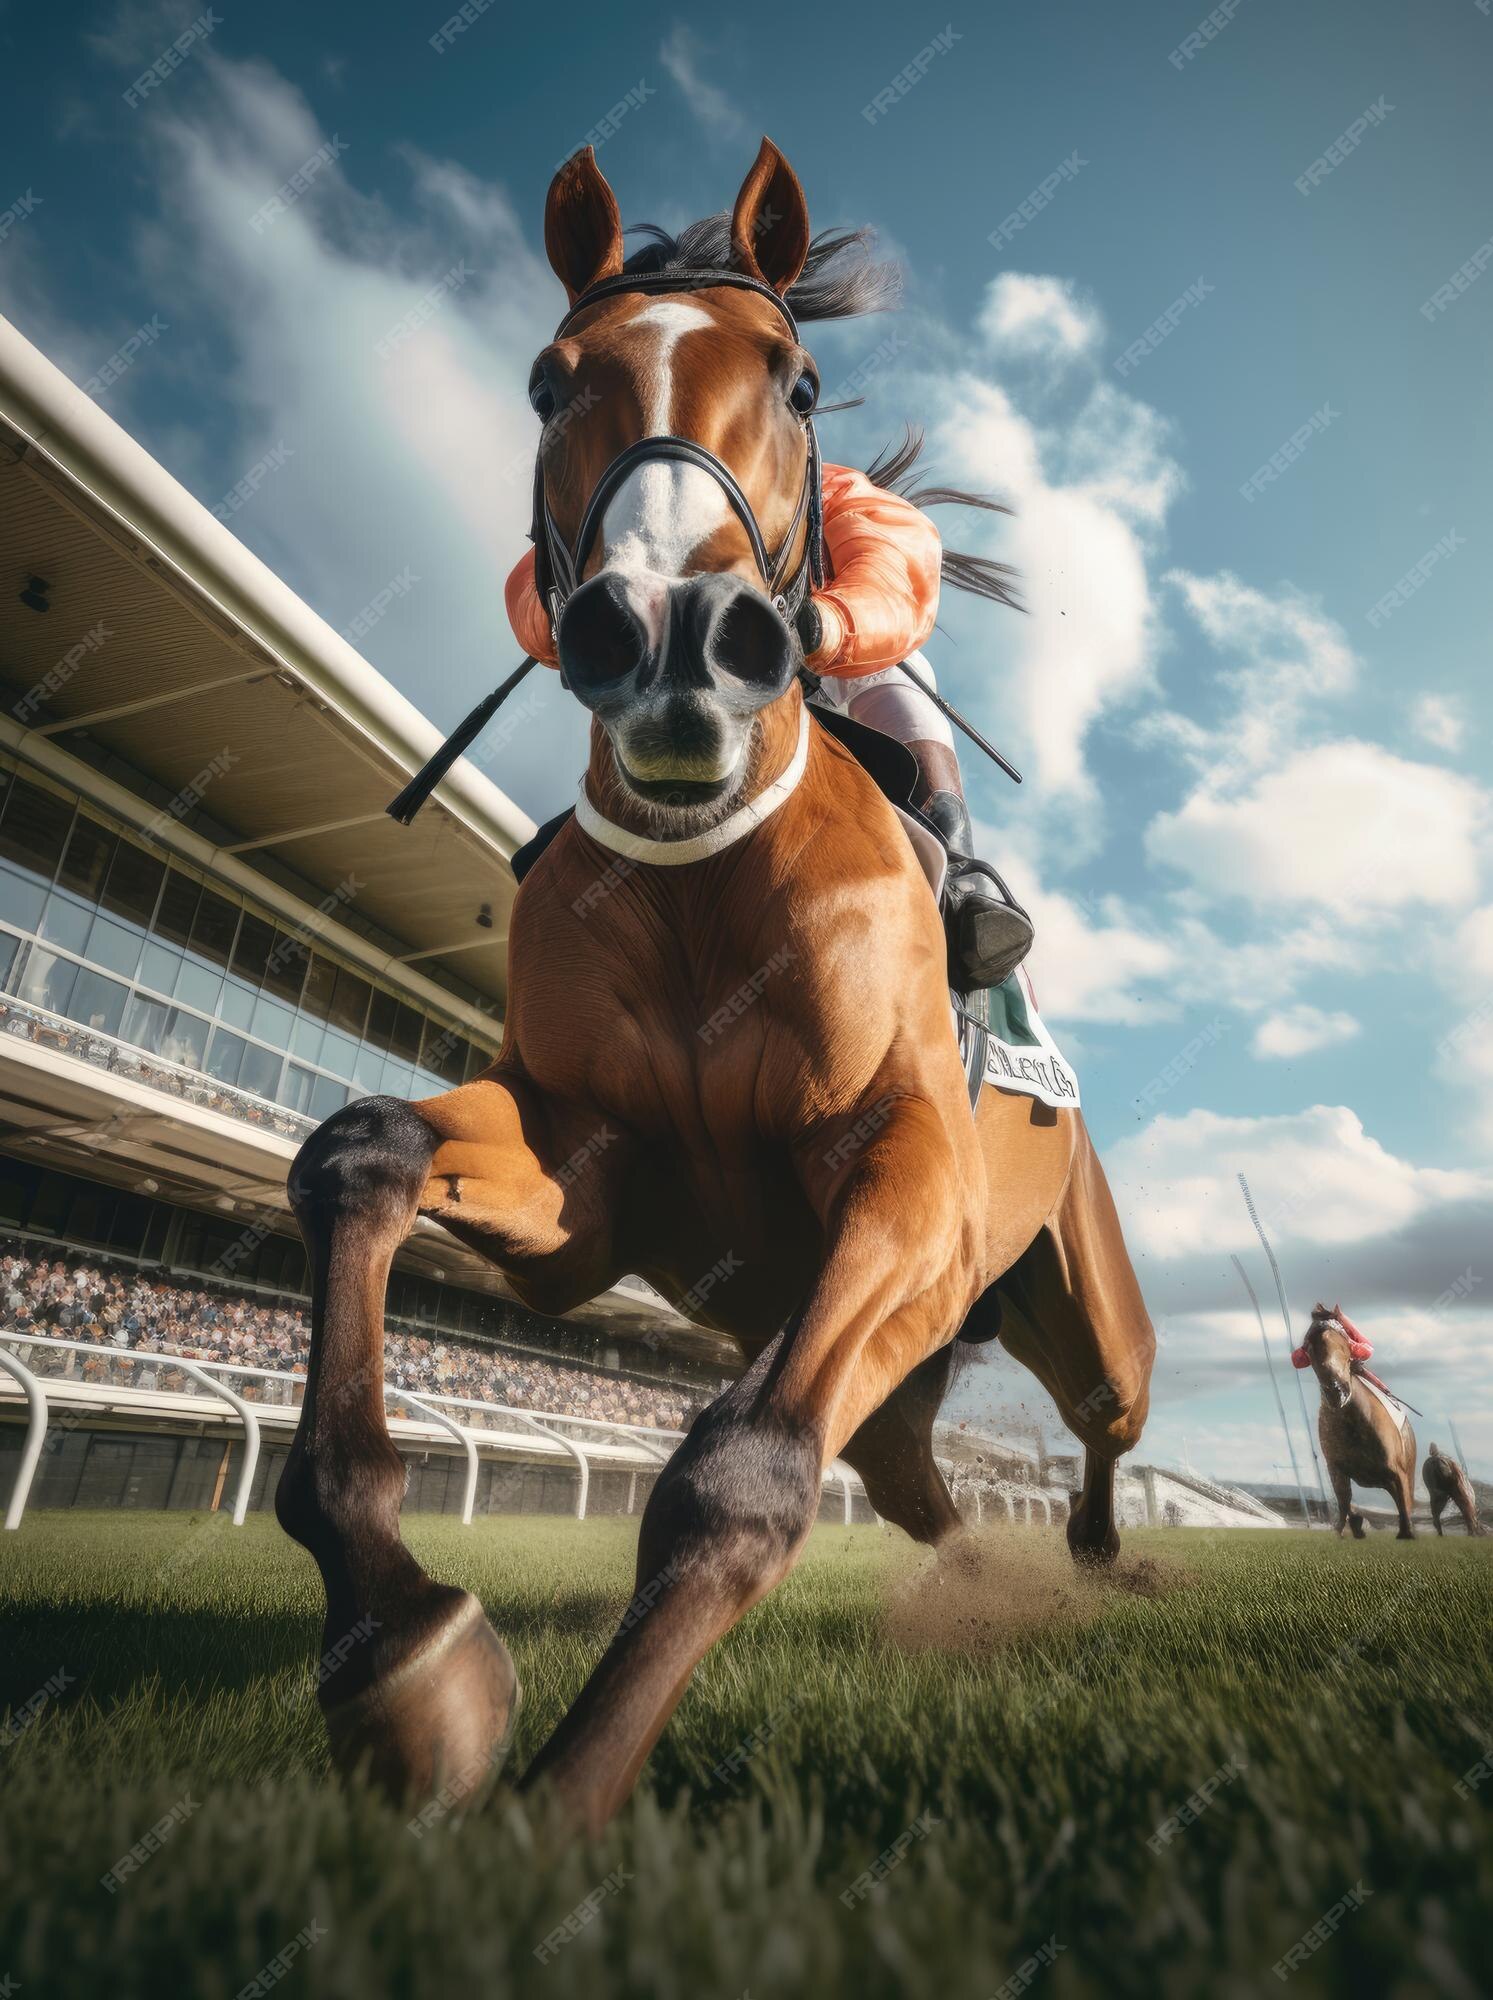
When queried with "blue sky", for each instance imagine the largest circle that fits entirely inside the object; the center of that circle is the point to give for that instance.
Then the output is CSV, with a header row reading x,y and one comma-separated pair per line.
x,y
1255,827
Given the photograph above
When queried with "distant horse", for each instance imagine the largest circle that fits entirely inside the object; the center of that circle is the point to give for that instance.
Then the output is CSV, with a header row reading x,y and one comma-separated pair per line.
x,y
1447,1482
728,862
1363,1440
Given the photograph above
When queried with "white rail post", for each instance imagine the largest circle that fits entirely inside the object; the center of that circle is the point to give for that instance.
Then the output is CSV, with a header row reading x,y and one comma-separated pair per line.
x,y
36,1431
570,1445
250,1423
844,1478
469,1499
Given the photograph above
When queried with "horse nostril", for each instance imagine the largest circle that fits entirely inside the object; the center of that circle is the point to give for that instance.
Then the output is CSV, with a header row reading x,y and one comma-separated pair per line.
x,y
750,641
601,637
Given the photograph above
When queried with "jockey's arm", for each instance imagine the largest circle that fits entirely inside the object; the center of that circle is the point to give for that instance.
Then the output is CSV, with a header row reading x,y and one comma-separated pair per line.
x,y
879,601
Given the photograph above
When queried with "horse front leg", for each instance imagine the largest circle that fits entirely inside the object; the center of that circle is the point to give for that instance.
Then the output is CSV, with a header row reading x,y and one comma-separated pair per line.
x,y
731,1511
423,1693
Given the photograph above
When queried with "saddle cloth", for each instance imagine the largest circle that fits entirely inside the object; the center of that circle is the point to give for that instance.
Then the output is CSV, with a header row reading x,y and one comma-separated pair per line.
x,y
1018,1053
1396,1410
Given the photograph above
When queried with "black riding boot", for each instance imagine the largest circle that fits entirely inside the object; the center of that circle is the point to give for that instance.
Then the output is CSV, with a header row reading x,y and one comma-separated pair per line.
x,y
989,932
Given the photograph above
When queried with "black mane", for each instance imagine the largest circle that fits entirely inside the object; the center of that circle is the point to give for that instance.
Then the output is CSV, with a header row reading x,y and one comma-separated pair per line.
x,y
840,280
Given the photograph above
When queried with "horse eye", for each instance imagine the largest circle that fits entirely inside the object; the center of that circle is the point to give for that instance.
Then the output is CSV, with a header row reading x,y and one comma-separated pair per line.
x,y
541,396
803,395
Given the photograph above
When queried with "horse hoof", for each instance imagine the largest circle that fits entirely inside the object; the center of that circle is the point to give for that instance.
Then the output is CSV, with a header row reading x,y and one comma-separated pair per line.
x,y
433,1729
1090,1551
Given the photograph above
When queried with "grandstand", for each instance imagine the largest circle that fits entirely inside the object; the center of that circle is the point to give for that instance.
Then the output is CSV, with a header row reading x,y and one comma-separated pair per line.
x,y
211,937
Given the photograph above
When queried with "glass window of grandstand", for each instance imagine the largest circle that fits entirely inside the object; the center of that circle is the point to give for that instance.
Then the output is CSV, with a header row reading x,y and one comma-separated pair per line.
x,y
99,932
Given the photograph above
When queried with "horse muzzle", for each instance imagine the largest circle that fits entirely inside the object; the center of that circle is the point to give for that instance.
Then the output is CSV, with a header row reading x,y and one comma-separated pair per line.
x,y
676,671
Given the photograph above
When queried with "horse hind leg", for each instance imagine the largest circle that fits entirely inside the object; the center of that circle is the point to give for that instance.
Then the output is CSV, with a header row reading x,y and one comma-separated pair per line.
x,y
1077,1320
422,1692
893,1453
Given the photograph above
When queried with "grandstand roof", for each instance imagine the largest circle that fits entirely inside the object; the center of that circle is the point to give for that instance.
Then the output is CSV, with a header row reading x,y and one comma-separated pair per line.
x,y
207,651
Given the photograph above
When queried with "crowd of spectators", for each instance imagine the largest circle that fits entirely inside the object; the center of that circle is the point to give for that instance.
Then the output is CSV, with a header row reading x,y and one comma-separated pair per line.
x,y
133,1313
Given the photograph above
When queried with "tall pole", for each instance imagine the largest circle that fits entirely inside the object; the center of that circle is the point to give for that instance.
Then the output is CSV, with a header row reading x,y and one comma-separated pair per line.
x,y
1306,1514
1285,1314
1457,1446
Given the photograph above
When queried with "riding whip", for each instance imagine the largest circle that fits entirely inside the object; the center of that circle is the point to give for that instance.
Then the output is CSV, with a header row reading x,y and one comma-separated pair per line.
x,y
430,774
947,708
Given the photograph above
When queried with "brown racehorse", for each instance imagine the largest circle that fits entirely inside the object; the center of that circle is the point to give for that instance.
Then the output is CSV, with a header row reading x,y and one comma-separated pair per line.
x,y
820,1146
1361,1440
1447,1483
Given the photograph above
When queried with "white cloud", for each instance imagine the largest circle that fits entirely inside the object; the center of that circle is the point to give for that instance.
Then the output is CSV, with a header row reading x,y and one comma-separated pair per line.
x,y
682,56
1030,317
1440,721
419,458
1297,1031
1345,825
1317,1178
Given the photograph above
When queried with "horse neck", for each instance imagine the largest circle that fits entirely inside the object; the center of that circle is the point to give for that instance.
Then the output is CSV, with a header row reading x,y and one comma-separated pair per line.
x,y
774,744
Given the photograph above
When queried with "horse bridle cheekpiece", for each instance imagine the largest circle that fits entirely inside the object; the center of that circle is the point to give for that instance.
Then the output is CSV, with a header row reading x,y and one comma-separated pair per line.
x,y
559,568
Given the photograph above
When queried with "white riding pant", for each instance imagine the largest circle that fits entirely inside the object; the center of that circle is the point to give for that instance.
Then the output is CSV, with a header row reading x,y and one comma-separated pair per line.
x,y
892,702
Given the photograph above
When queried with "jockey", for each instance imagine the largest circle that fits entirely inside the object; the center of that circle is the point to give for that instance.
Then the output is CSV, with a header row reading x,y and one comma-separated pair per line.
x,y
878,607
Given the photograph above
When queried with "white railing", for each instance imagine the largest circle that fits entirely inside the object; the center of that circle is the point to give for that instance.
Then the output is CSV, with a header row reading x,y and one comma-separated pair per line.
x,y
136,1065
489,1426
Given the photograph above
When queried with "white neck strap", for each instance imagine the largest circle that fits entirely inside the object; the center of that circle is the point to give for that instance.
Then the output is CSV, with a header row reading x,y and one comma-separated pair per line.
x,y
736,826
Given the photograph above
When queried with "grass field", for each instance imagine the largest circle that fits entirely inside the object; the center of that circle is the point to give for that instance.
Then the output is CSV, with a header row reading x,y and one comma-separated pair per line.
x,y
1027,1731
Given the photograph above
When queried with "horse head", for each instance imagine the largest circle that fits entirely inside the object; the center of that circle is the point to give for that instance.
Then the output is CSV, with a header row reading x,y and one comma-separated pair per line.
x,y
1330,1350
676,496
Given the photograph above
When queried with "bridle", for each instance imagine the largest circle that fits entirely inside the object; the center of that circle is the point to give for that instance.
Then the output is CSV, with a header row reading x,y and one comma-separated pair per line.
x,y
559,568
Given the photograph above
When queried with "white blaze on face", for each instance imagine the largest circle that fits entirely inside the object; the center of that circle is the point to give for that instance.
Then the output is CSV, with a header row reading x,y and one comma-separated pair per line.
x,y
663,511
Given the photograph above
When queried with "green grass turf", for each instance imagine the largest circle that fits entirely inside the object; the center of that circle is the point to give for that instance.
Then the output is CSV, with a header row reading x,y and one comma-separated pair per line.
x,y
1038,1730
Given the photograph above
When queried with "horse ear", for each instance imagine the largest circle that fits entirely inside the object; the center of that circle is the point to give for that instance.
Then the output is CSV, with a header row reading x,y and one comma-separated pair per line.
x,y
770,222
582,225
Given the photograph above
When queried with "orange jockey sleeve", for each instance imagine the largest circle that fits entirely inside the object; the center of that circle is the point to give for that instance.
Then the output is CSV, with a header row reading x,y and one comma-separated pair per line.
x,y
879,605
